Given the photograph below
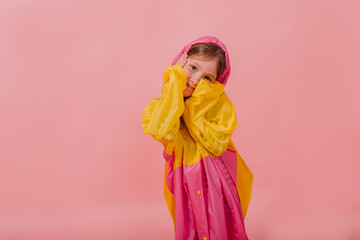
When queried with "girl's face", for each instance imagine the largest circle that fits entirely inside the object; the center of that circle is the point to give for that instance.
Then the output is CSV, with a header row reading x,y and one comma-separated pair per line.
x,y
197,68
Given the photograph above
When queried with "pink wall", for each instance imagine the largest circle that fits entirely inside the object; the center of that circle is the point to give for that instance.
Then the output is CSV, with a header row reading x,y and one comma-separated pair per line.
x,y
75,76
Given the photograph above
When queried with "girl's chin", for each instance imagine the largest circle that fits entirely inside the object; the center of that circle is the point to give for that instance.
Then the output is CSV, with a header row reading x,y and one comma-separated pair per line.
x,y
187,92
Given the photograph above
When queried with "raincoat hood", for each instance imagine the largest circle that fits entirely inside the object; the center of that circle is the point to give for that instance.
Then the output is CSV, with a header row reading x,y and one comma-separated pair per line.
x,y
210,39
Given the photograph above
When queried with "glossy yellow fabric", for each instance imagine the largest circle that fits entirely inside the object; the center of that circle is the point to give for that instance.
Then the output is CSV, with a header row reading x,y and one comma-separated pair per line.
x,y
192,129
161,115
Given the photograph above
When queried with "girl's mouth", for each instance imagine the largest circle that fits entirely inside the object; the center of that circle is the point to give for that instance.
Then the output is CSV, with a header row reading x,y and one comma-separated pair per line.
x,y
190,87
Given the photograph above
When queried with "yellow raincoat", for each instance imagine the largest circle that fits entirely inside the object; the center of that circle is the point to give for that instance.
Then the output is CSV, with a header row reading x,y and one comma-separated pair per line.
x,y
207,184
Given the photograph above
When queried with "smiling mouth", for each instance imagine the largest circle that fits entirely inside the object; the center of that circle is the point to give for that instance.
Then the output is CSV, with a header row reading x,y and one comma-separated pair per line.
x,y
190,87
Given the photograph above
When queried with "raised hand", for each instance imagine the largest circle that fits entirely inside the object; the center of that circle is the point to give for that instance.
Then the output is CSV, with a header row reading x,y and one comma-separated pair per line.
x,y
182,60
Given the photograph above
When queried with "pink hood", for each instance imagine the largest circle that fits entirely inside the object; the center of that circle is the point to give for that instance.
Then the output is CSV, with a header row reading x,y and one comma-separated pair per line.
x,y
224,76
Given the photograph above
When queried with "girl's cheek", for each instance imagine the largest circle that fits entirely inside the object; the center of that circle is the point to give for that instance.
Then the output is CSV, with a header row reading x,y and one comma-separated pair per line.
x,y
187,74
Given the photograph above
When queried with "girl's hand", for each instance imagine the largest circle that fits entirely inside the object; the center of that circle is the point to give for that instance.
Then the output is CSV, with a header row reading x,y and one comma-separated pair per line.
x,y
182,60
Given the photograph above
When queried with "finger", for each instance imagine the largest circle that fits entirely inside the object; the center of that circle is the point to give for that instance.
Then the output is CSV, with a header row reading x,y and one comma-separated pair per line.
x,y
184,55
180,58
183,59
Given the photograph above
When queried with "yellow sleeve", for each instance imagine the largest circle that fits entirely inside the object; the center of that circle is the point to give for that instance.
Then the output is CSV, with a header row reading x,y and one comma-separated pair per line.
x,y
210,117
161,117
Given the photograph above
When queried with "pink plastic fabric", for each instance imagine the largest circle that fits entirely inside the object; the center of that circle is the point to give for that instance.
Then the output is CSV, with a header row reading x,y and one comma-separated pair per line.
x,y
215,213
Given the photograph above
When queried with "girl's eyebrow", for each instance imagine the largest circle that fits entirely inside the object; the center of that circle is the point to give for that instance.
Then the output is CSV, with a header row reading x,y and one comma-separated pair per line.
x,y
194,63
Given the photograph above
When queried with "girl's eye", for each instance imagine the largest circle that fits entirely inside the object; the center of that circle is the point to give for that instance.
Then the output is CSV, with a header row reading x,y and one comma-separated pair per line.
x,y
207,78
193,67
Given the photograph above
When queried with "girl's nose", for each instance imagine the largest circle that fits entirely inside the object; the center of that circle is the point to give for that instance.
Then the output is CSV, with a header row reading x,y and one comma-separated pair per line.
x,y
195,80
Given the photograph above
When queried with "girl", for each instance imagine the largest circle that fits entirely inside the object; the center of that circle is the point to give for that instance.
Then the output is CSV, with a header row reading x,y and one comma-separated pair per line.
x,y
207,184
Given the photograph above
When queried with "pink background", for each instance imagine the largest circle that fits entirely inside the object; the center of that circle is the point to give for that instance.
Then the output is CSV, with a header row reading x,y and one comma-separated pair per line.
x,y
75,76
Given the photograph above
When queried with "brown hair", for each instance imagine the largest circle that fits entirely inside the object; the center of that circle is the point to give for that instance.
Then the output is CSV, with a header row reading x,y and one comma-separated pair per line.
x,y
210,50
